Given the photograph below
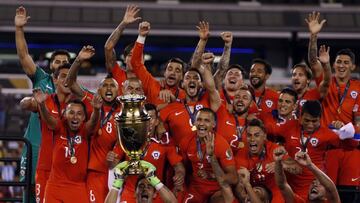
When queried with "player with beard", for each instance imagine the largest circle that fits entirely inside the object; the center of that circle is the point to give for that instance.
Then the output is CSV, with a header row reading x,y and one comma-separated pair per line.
x,y
56,103
39,79
302,75
265,98
119,74
156,153
309,135
232,125
203,184
173,74
285,111
257,158
147,186
341,106
322,189
70,149
179,117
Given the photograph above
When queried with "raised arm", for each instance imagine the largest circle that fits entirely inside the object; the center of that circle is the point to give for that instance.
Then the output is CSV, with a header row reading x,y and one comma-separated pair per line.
x,y
28,104
110,54
204,34
303,158
205,71
224,60
40,98
218,171
119,174
166,195
324,58
94,118
280,177
244,178
26,61
314,28
85,53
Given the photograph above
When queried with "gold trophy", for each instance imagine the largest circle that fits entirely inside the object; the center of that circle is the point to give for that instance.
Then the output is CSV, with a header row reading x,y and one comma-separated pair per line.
x,y
132,125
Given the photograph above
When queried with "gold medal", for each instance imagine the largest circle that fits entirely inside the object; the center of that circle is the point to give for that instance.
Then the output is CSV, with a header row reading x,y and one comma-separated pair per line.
x,y
100,131
241,145
73,160
193,128
339,110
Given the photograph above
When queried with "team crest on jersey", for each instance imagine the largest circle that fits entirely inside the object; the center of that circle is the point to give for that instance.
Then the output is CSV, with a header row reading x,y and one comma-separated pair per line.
x,y
314,141
353,94
198,107
77,139
302,102
155,155
228,154
269,103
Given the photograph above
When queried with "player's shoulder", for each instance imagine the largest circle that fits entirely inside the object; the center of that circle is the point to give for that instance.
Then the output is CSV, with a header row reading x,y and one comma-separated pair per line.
x,y
355,83
173,106
272,93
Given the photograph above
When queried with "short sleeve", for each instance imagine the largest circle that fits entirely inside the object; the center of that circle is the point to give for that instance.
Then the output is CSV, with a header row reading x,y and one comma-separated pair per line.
x,y
39,75
224,153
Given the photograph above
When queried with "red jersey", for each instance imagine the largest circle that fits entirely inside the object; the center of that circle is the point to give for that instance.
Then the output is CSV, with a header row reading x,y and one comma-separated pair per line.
x,y
222,152
318,144
62,170
157,154
102,143
232,128
119,74
178,122
332,110
150,85
55,108
259,163
267,100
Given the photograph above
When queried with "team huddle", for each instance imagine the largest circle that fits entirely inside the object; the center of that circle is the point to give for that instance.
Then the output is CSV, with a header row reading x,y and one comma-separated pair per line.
x,y
212,137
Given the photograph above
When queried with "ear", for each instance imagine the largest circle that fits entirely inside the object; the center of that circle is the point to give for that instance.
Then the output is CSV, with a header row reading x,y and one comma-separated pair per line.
x,y
353,67
267,76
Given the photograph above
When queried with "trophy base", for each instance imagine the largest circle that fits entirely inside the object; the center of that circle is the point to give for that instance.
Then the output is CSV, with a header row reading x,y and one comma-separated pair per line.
x,y
134,167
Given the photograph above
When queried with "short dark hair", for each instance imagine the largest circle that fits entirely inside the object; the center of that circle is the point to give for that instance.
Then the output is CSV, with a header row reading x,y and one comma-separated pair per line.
x,y
256,123
290,91
235,66
78,101
312,107
59,52
306,68
195,70
151,107
208,110
347,52
179,61
128,49
62,66
267,65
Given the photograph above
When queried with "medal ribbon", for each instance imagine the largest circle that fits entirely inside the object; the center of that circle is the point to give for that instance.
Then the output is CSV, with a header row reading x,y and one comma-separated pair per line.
x,y
199,151
342,97
102,115
70,141
305,143
227,98
258,103
239,130
192,115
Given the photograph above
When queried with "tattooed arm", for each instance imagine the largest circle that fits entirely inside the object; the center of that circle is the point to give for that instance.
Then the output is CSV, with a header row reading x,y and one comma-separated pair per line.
x,y
110,54
224,60
204,34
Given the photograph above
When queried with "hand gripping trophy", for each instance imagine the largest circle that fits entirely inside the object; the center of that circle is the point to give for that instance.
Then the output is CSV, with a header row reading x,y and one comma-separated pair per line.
x,y
132,130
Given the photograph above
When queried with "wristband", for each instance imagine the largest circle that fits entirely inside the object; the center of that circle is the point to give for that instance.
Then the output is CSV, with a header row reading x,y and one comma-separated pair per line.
x,y
141,39
117,184
159,186
154,181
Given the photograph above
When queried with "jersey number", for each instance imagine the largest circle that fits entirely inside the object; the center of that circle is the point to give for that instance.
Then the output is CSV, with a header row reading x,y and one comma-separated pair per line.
x,y
108,127
67,152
